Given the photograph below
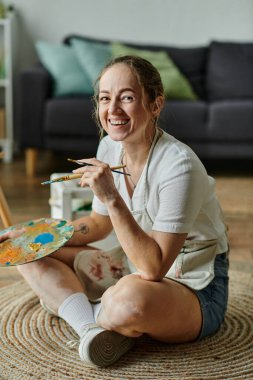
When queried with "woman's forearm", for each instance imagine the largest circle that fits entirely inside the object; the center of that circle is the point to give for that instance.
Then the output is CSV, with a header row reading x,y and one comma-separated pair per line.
x,y
89,229
141,249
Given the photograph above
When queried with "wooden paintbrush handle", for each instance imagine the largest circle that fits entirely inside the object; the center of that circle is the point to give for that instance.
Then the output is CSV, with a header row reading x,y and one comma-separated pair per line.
x,y
69,177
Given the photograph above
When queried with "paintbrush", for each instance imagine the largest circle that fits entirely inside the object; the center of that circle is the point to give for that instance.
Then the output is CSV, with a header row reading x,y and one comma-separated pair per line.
x,y
113,168
69,177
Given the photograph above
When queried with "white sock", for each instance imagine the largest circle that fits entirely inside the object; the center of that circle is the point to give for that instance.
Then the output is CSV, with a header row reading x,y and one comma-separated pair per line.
x,y
77,311
96,309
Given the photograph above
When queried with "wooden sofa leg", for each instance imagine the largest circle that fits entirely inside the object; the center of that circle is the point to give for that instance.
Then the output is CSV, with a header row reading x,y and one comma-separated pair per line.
x,y
31,155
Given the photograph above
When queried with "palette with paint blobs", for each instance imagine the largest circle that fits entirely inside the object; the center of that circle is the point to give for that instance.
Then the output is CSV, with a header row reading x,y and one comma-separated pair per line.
x,y
40,238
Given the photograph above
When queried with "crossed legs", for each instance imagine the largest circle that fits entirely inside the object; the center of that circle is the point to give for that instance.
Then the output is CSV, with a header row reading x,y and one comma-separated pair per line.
x,y
166,310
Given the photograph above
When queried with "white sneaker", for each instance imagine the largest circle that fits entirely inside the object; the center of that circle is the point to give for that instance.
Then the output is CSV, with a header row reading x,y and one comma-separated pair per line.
x,y
100,347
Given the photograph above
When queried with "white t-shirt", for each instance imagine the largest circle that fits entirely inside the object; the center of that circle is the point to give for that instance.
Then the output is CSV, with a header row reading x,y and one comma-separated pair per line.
x,y
180,197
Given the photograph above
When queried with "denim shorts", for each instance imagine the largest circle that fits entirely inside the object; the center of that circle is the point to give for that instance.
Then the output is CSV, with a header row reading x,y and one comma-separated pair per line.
x,y
213,299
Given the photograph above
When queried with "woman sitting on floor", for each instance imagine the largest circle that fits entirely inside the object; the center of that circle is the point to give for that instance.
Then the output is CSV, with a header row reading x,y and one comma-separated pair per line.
x,y
166,274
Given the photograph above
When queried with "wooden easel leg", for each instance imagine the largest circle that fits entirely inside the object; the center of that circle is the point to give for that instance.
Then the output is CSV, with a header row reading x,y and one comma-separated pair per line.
x,y
31,155
5,214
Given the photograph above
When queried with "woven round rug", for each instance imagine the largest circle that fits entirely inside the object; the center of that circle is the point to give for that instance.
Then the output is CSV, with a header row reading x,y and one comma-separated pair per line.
x,y
33,344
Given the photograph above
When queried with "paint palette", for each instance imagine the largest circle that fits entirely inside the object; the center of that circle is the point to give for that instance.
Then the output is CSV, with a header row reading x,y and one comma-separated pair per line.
x,y
40,238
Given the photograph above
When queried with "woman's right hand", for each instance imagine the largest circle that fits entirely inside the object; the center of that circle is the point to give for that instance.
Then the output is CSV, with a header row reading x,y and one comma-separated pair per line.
x,y
99,178
11,234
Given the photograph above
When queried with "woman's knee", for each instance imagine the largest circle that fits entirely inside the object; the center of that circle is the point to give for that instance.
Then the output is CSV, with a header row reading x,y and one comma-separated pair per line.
x,y
124,303
36,267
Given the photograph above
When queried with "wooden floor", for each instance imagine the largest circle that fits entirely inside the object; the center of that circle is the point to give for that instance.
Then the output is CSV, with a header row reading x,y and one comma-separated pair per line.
x,y
28,199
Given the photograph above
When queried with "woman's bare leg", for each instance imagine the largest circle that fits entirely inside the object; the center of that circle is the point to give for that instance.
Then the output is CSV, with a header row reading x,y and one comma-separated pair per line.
x,y
166,310
52,278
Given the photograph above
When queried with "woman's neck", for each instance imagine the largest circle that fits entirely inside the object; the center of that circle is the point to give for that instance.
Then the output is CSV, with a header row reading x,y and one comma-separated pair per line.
x,y
136,153
136,157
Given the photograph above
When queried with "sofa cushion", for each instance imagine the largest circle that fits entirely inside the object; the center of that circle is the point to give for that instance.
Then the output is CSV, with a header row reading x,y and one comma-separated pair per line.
x,y
190,61
176,85
230,71
231,121
185,120
91,55
75,146
70,117
62,64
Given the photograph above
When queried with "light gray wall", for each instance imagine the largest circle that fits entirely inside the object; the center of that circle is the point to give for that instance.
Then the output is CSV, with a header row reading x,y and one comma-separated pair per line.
x,y
174,22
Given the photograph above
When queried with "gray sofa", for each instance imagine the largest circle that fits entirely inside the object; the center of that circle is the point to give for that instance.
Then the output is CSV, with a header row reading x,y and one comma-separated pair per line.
x,y
218,125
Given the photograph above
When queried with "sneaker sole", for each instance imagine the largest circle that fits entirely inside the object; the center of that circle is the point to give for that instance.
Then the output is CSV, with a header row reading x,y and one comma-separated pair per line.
x,y
107,347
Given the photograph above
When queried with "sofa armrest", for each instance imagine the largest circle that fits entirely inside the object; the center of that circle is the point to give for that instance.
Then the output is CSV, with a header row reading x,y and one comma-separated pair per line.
x,y
35,89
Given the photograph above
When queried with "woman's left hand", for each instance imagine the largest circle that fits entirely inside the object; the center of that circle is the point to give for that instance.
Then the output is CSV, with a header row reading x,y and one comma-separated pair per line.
x,y
11,234
99,178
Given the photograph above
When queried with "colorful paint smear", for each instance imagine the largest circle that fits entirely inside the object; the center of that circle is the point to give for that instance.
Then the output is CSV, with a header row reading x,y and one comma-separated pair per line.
x,y
40,238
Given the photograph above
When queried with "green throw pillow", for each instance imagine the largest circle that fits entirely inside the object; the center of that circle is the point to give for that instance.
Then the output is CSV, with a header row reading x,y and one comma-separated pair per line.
x,y
92,56
61,62
176,86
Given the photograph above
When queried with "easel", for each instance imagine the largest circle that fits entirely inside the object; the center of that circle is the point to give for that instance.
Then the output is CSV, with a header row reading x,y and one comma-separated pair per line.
x,y
5,214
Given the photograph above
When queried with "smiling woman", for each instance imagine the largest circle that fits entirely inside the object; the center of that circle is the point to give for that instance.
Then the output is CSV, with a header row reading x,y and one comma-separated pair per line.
x,y
128,103
126,114
165,270
121,106
142,84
